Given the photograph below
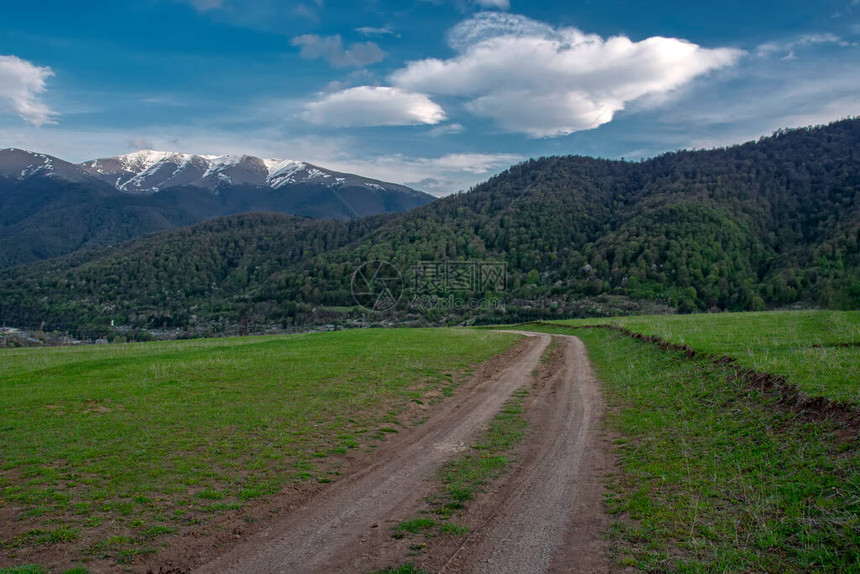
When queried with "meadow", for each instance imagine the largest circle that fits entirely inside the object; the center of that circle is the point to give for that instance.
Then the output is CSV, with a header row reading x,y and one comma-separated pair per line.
x,y
819,351
107,449
715,475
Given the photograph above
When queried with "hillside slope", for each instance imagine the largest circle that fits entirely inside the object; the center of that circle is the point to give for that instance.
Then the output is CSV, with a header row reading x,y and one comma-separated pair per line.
x,y
764,224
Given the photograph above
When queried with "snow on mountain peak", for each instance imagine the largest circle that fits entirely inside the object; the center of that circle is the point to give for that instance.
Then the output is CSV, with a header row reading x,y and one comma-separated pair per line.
x,y
273,166
220,163
47,166
283,171
22,164
144,159
148,171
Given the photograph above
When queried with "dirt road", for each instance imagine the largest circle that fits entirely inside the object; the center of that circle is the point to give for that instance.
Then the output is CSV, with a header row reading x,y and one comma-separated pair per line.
x,y
545,516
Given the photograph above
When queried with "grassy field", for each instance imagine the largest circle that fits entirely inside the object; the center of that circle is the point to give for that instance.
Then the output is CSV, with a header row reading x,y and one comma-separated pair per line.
x,y
107,449
819,351
714,477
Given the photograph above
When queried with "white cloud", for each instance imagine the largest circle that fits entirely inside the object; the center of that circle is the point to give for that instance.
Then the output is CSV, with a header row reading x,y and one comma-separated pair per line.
x,y
374,106
21,84
483,27
305,11
477,163
437,175
758,97
370,31
500,4
472,5
543,81
331,49
776,94
447,130
786,49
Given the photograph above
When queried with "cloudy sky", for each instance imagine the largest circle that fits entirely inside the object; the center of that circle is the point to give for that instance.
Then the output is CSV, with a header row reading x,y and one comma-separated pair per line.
x,y
436,94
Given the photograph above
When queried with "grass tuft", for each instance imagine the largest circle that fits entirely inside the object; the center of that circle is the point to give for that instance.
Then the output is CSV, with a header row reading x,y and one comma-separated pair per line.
x,y
413,526
403,569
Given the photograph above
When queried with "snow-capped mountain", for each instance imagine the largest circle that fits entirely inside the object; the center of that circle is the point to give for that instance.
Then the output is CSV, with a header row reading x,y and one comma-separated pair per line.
x,y
151,171
147,172
20,165
50,207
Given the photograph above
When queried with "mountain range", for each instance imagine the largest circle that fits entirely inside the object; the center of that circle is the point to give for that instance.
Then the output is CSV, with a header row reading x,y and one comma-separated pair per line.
x,y
767,224
51,207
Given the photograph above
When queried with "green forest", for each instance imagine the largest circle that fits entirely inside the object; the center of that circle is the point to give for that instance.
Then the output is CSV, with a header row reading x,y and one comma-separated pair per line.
x,y
767,224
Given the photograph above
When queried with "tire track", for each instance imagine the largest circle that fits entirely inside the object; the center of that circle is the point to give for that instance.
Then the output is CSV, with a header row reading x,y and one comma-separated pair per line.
x,y
338,530
548,516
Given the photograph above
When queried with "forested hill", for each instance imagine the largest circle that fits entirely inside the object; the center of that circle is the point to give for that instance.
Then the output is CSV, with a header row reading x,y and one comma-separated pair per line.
x,y
764,224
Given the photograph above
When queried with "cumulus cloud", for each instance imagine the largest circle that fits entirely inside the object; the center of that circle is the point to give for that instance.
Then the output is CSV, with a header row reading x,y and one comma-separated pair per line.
x,y
21,84
331,49
543,81
374,106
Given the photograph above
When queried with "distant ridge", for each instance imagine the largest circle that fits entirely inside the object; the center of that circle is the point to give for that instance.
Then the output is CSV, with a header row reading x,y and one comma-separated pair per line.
x,y
50,207
151,171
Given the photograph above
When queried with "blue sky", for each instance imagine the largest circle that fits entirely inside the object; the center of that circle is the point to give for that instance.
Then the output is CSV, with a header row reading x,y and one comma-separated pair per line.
x,y
437,94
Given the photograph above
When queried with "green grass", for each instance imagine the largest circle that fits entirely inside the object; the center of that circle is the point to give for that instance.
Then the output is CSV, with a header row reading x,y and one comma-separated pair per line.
x,y
26,569
713,477
819,351
488,458
413,526
35,569
142,439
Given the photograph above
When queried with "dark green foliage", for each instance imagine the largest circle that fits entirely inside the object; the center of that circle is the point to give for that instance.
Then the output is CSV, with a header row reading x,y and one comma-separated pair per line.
x,y
765,224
